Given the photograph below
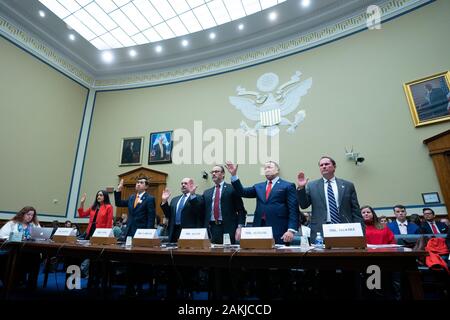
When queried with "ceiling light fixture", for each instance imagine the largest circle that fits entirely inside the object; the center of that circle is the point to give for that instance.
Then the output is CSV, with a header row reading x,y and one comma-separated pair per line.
x,y
273,16
107,56
72,37
306,3
42,13
184,43
132,53
158,48
241,26
212,35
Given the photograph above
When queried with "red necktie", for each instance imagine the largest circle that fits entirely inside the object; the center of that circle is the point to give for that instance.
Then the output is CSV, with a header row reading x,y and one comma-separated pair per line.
x,y
216,203
433,226
269,188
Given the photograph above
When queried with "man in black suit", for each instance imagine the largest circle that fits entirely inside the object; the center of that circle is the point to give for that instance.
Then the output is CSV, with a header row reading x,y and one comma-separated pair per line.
x,y
184,211
430,226
224,209
141,207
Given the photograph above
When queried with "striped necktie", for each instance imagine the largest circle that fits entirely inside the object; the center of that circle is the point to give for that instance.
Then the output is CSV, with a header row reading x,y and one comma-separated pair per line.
x,y
332,204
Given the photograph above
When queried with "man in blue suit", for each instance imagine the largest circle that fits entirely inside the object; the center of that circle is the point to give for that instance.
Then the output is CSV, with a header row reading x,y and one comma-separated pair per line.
x,y
401,225
430,226
141,207
276,202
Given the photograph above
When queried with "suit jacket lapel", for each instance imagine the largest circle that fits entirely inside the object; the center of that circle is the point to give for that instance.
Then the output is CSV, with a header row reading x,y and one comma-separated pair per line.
x,y
274,186
322,192
261,189
341,190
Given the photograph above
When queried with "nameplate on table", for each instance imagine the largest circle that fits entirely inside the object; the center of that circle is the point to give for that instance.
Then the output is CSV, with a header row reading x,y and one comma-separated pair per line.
x,y
257,238
146,238
344,235
196,238
103,236
65,235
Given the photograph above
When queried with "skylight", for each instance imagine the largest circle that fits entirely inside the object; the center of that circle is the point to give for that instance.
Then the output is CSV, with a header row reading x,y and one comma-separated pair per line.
x,y
109,24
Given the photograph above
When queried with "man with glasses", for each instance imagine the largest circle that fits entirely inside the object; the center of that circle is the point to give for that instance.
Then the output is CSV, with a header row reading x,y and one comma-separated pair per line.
x,y
224,209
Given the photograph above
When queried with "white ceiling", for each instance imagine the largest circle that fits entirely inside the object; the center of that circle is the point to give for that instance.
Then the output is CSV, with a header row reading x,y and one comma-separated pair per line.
x,y
292,21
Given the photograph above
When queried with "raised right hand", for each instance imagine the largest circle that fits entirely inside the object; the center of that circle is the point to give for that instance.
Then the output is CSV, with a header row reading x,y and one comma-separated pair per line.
x,y
232,168
120,186
301,180
83,199
165,195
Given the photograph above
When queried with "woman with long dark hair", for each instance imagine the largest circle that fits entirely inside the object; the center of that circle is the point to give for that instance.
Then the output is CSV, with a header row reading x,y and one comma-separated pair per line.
x,y
23,221
376,232
100,213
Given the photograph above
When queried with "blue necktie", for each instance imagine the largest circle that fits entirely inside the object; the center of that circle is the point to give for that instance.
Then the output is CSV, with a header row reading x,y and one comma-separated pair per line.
x,y
180,208
332,204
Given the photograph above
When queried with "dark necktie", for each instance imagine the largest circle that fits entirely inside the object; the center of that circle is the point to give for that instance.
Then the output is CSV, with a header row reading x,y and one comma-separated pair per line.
x,y
332,204
180,208
216,203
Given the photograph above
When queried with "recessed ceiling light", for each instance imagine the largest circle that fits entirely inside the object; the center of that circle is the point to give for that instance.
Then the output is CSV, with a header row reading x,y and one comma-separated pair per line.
x,y
42,13
158,48
241,26
72,37
273,16
107,56
184,43
132,53
212,35
306,3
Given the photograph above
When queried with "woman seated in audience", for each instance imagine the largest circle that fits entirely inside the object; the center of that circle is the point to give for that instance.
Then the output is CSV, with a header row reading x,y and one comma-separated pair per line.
x,y
383,220
376,233
100,213
23,221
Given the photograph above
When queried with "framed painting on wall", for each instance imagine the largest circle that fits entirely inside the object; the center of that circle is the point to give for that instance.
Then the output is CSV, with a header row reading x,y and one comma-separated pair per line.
x,y
160,148
131,151
429,99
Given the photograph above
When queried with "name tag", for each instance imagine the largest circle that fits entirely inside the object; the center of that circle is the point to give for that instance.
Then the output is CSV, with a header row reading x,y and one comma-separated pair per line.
x,y
342,230
193,233
145,234
65,232
103,232
256,233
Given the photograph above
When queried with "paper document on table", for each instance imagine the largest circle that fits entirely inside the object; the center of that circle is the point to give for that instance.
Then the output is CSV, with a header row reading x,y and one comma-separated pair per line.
x,y
374,246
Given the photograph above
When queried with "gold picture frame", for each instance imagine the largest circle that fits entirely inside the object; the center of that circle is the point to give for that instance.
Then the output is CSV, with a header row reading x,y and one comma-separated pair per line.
x,y
429,99
131,151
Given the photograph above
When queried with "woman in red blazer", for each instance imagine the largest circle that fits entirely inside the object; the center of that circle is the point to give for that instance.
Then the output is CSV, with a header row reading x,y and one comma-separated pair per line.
x,y
376,232
100,213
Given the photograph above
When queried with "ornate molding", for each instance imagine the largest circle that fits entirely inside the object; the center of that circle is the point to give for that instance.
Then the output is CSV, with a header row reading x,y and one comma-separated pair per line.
x,y
389,9
324,34
44,52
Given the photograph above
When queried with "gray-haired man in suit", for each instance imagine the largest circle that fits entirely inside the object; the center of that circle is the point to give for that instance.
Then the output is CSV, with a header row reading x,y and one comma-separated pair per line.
x,y
333,200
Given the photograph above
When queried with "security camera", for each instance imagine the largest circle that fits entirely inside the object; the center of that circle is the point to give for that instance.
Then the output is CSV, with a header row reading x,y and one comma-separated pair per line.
x,y
359,160
205,175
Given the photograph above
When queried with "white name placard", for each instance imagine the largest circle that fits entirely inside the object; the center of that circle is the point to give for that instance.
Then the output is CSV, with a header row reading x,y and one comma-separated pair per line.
x,y
257,233
193,234
342,230
146,234
65,232
103,232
